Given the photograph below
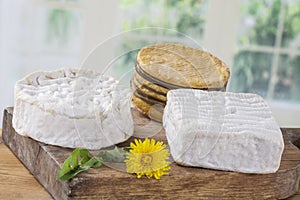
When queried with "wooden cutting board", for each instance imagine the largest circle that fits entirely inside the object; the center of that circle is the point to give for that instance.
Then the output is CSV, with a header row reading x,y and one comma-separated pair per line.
x,y
43,161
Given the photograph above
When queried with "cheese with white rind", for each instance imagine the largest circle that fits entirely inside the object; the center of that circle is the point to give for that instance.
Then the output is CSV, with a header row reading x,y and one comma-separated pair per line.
x,y
73,108
222,130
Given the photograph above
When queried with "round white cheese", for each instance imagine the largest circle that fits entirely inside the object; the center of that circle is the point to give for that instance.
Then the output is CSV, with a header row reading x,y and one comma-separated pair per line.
x,y
73,108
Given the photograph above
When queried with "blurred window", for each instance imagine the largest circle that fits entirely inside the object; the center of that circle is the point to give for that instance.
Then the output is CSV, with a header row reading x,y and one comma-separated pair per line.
x,y
37,35
168,21
267,60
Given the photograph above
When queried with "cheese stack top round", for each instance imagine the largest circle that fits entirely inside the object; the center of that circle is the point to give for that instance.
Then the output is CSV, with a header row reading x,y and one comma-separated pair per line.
x,y
183,66
73,108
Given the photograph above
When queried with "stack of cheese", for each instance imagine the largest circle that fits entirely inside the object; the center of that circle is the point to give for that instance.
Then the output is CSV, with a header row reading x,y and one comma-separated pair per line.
x,y
72,108
162,67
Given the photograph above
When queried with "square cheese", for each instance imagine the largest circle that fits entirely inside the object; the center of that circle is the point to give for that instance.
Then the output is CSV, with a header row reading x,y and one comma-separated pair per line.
x,y
222,130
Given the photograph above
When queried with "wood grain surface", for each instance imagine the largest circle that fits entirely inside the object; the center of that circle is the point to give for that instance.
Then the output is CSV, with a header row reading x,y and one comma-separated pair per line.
x,y
43,161
16,182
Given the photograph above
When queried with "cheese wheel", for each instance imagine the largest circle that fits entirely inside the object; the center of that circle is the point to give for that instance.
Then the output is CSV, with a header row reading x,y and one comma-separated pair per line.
x,y
72,108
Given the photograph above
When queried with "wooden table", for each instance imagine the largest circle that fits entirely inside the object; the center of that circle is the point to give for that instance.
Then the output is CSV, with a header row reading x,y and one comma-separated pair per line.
x,y
17,183
15,180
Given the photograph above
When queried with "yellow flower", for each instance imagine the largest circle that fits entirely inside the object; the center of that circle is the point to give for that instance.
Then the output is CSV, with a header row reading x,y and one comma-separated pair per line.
x,y
147,158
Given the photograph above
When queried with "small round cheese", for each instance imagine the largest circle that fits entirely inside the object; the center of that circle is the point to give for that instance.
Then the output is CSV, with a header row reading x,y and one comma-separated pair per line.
x,y
182,66
73,108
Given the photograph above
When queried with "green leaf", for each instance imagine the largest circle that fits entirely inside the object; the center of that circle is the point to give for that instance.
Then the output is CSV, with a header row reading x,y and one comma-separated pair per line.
x,y
70,174
80,160
98,163
84,156
115,155
70,163
93,162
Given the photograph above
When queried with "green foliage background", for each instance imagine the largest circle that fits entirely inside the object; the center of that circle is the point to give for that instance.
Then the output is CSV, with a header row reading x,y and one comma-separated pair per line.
x,y
252,71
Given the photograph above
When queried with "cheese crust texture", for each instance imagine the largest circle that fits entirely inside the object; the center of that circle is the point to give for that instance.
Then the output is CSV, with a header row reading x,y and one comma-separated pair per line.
x,y
183,66
222,130
73,108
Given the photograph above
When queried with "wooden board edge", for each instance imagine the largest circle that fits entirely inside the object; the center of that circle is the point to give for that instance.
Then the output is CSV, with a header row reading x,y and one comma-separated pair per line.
x,y
40,168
